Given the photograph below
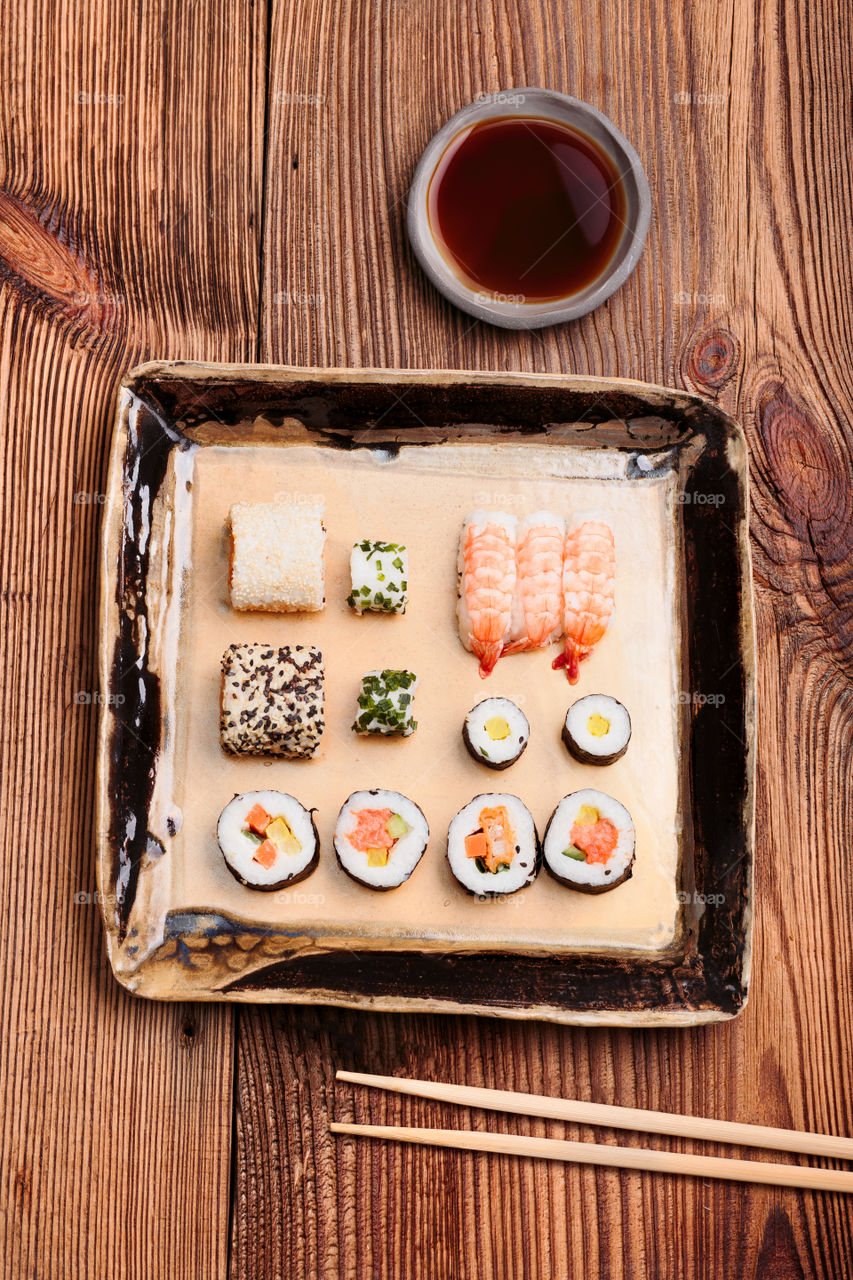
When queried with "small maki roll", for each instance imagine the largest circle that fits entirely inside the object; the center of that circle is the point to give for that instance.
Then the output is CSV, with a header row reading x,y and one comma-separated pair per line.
x,y
380,838
268,840
589,842
597,729
380,577
492,845
496,732
385,703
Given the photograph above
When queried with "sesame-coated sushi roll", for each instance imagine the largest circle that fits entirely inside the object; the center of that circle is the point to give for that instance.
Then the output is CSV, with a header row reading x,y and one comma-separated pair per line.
x,y
597,729
380,577
271,700
496,732
589,842
380,838
492,845
268,840
277,556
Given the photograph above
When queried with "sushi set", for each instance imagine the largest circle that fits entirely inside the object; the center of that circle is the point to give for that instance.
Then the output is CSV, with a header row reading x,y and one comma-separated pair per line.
x,y
336,604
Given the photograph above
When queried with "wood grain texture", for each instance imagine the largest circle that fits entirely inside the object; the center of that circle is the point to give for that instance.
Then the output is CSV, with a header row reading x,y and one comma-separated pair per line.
x,y
142,147
743,294
131,153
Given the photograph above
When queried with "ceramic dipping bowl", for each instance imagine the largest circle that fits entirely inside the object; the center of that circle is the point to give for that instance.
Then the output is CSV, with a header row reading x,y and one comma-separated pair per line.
x,y
542,104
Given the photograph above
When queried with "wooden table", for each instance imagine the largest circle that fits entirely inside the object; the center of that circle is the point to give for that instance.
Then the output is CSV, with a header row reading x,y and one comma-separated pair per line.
x,y
225,181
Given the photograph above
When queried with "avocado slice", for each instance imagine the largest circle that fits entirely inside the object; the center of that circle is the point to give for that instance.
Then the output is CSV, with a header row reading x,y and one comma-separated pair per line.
x,y
397,826
574,852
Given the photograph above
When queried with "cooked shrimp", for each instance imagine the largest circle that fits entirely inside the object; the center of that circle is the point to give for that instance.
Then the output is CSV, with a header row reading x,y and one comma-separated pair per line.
x,y
537,615
487,578
588,574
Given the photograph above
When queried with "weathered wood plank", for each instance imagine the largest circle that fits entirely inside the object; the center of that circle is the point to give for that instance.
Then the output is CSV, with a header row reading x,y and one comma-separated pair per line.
x,y
131,149
744,293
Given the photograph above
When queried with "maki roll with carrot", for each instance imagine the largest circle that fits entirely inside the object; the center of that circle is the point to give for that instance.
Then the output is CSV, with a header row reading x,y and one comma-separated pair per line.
x,y
380,838
268,840
492,845
589,842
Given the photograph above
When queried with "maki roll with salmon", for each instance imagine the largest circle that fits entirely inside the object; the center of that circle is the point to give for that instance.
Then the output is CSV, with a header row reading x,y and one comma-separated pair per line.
x,y
589,842
268,840
597,729
380,838
496,732
492,845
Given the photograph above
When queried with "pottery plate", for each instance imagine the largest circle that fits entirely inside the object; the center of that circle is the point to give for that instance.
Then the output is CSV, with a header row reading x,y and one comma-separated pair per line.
x,y
403,456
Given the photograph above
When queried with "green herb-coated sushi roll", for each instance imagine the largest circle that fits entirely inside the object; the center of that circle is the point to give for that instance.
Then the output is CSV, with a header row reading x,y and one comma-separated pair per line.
x,y
380,577
492,845
385,703
496,732
589,842
380,838
597,729
268,840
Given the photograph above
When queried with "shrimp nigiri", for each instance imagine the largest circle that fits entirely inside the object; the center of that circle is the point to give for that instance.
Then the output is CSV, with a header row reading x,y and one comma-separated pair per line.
x,y
487,577
588,575
537,615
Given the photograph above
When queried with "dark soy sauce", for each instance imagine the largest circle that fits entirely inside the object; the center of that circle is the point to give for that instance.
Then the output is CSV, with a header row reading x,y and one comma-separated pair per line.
x,y
526,208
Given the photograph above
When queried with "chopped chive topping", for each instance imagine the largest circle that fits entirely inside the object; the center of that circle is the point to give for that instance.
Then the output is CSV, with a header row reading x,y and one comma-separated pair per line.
x,y
385,703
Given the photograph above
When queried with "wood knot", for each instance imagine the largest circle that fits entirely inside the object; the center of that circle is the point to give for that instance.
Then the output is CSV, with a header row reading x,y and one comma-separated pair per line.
x,y
712,359
810,469
189,1030
807,470
42,268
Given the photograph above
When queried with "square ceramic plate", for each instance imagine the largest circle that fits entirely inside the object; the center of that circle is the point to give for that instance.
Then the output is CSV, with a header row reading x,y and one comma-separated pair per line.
x,y
403,456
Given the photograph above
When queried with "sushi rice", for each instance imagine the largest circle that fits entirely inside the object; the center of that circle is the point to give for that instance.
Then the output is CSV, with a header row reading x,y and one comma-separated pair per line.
x,y
523,850
385,704
496,732
401,834
268,840
379,572
597,729
595,820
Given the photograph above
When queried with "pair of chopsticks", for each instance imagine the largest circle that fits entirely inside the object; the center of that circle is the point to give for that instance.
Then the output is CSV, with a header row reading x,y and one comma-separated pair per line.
x,y
594,1113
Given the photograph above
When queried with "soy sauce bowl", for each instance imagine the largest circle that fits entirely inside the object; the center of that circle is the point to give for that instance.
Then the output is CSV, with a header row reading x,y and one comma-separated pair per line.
x,y
503,310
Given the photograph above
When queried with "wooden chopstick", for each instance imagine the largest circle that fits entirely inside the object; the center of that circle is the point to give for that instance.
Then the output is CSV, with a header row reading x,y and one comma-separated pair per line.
x,y
783,1175
596,1113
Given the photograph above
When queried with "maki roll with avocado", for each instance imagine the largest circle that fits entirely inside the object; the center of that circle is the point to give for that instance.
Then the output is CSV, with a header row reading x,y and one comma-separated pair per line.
x,y
385,703
268,840
496,732
380,838
492,845
589,842
597,729
380,577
